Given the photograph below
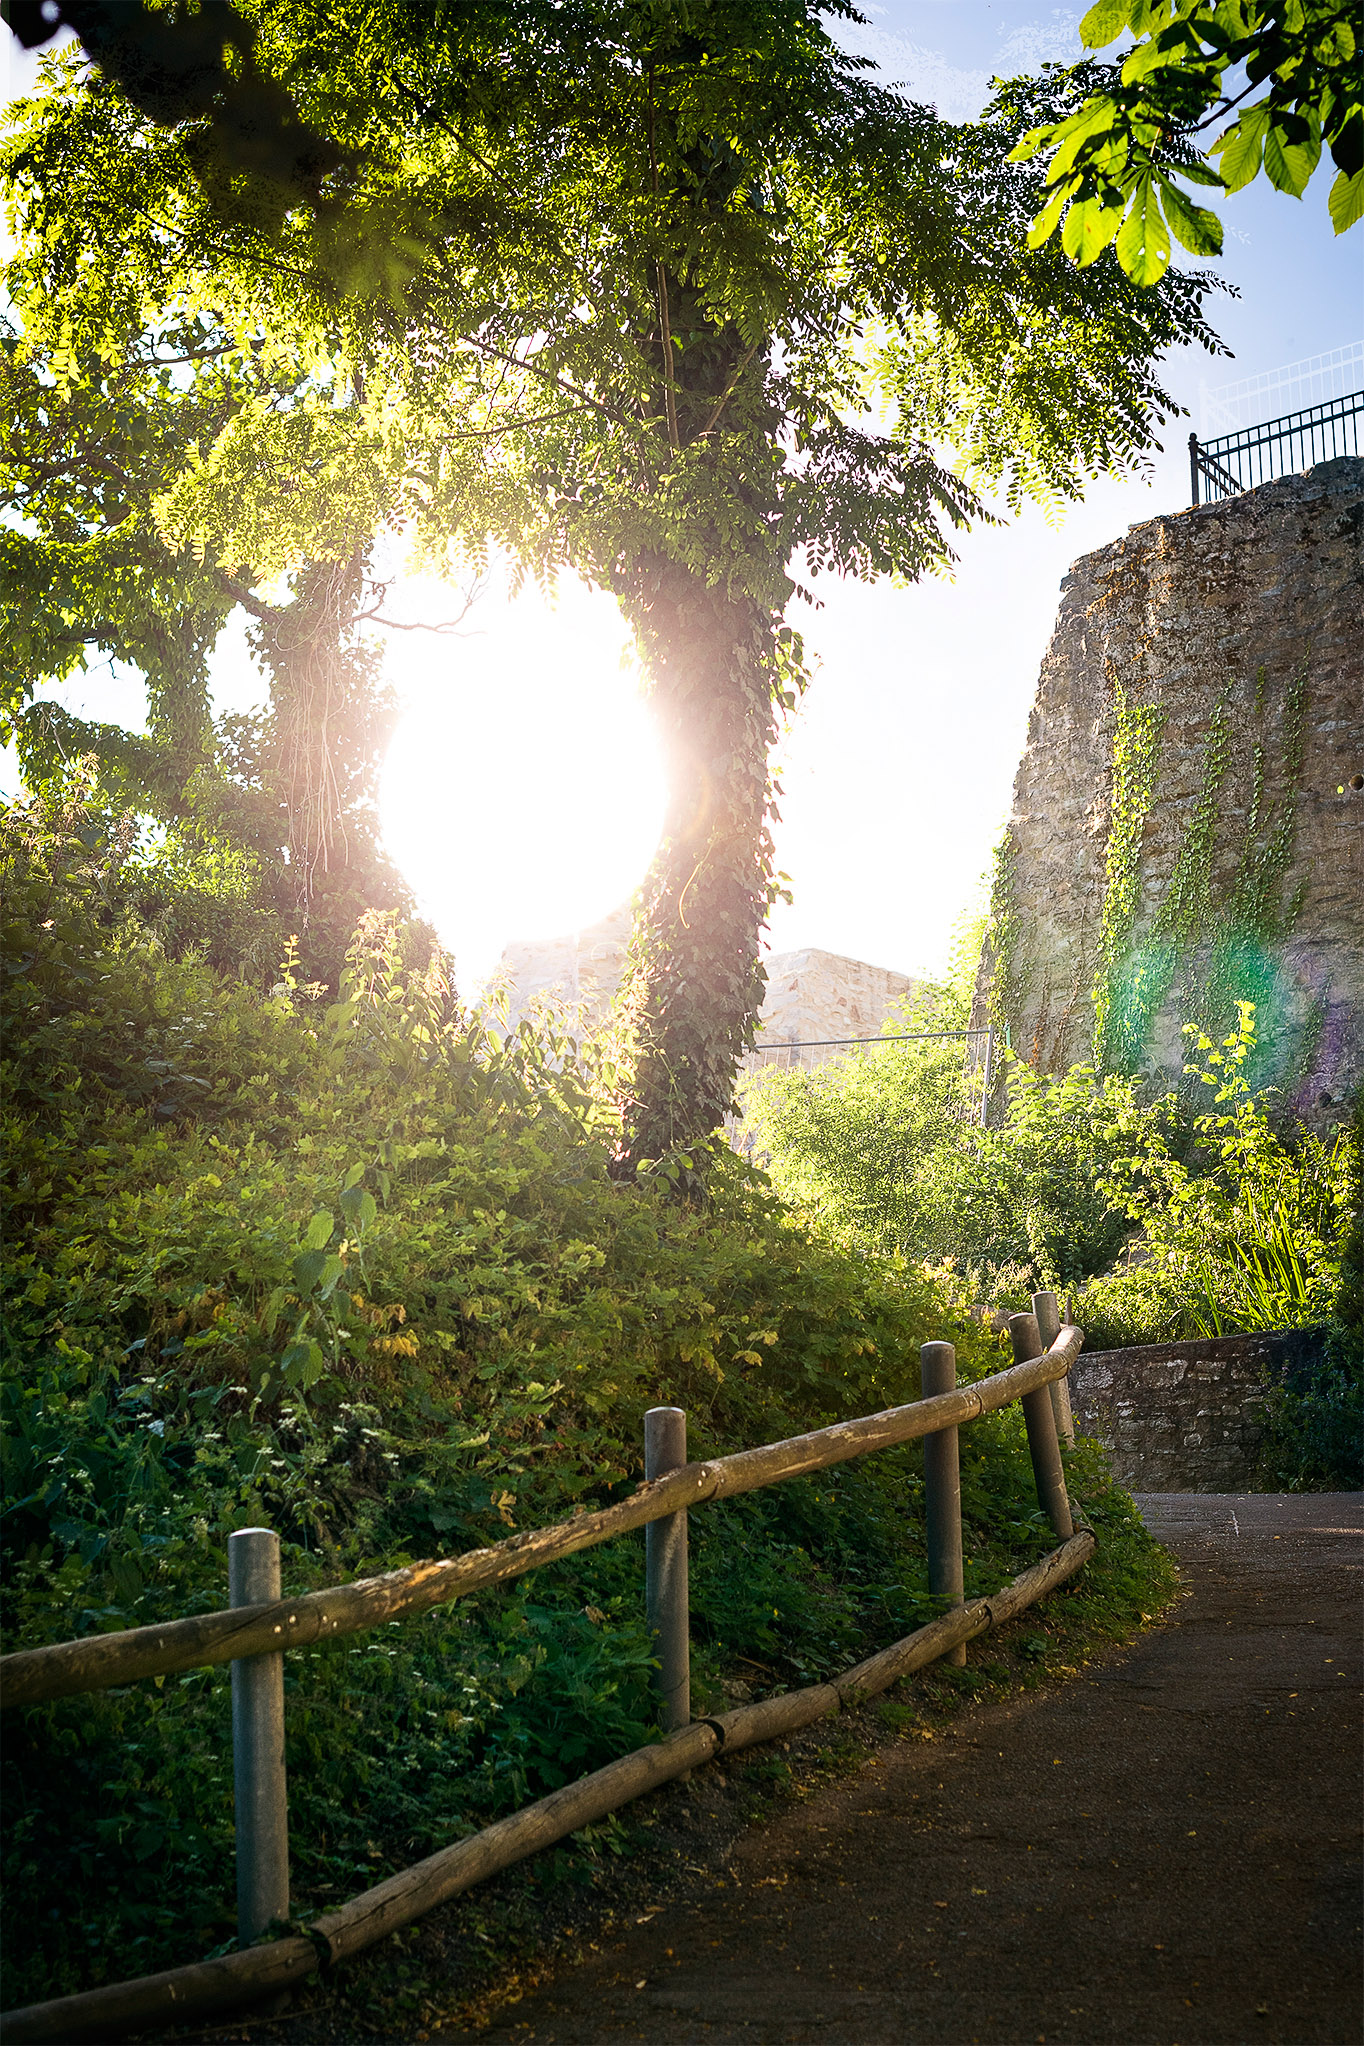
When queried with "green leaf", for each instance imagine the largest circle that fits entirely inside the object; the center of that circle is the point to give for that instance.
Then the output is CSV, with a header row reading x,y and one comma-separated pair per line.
x,y
1050,214
1199,230
353,1178
1090,227
1241,148
1347,200
1081,135
303,1364
1105,20
1289,164
331,1271
1337,46
359,1208
1200,173
308,1268
1026,150
319,1230
1143,245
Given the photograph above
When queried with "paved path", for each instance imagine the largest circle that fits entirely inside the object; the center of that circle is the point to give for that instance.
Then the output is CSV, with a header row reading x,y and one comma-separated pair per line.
x,y
1165,1850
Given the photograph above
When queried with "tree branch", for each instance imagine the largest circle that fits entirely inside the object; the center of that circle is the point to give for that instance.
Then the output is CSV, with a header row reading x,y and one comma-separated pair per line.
x,y
558,383
728,393
248,599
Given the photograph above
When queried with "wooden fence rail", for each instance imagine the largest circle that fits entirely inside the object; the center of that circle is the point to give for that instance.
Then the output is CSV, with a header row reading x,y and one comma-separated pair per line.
x,y
267,1629
98,1661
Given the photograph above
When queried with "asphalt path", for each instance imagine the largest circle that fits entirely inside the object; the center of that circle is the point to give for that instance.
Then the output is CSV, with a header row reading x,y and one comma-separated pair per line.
x,y
1165,1849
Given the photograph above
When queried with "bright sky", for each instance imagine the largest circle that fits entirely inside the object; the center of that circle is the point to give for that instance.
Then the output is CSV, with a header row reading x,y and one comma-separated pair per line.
x,y
899,768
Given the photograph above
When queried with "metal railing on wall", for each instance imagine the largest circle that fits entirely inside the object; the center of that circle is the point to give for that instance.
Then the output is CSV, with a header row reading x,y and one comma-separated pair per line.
x,y
259,1626
1257,454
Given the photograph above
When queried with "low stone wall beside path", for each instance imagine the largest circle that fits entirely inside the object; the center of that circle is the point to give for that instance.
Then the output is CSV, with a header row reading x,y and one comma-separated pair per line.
x,y
1187,1416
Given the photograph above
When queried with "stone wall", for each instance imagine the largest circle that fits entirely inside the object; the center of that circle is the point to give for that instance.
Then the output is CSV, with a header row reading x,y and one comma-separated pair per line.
x,y
580,972
1232,638
1186,1417
813,995
810,994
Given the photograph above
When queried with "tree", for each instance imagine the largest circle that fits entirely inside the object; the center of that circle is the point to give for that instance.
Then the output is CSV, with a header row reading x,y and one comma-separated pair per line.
x,y
196,66
682,301
1115,162
85,567
287,798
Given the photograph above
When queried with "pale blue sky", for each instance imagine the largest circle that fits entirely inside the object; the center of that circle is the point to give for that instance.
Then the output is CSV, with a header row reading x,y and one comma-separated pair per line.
x,y
899,769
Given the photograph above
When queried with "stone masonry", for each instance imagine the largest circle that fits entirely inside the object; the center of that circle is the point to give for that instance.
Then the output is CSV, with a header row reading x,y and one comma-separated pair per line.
x,y
811,994
1187,1416
1231,601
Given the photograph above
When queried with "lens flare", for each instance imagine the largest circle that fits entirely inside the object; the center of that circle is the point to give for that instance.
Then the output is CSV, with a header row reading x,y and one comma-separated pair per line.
x,y
522,796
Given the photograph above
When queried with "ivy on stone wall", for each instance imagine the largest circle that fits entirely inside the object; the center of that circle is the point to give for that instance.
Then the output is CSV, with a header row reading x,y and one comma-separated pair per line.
x,y
1186,910
1137,731
1139,980
1008,979
1244,931
1221,935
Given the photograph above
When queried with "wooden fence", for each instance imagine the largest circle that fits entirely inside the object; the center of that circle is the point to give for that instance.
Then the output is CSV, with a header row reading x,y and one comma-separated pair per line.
x,y
253,1633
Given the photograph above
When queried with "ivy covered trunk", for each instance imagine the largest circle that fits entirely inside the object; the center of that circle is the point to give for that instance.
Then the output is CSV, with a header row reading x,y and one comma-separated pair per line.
x,y
695,981
329,722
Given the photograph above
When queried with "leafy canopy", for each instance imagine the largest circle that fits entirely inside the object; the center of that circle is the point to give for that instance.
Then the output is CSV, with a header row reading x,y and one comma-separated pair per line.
x,y
679,298
1290,75
611,281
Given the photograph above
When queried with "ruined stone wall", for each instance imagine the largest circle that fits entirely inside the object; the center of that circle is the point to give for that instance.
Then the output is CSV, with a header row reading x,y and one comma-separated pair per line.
x,y
814,995
1184,828
811,994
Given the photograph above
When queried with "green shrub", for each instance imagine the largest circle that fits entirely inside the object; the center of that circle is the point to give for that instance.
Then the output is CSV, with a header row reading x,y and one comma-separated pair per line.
x,y
360,1272
1247,1231
883,1151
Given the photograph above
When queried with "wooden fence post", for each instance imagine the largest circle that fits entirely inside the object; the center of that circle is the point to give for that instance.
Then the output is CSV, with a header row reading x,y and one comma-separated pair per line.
x,y
665,1569
1048,1313
942,1489
1041,1426
262,1806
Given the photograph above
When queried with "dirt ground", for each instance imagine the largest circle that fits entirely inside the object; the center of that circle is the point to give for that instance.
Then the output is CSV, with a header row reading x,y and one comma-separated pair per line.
x,y
1164,1850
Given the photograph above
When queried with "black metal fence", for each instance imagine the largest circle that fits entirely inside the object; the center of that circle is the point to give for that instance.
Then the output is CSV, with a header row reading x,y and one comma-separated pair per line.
x,y
1257,454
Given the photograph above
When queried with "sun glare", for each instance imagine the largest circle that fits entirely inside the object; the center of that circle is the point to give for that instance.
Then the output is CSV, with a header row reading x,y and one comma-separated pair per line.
x,y
522,795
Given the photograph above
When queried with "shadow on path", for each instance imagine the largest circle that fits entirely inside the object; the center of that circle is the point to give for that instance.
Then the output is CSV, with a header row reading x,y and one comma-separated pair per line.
x,y
1165,1850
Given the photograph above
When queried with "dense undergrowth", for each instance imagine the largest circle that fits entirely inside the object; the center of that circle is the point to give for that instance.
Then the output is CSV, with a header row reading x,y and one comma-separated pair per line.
x,y
1159,1222
359,1272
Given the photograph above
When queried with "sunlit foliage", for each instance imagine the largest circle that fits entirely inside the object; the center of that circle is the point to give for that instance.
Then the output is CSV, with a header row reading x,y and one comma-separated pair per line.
x,y
685,301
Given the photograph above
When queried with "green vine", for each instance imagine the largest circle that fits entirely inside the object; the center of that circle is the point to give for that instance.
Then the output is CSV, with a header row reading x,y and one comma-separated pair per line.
x,y
1008,979
1139,980
1186,910
1257,901
1238,923
1137,734
1256,912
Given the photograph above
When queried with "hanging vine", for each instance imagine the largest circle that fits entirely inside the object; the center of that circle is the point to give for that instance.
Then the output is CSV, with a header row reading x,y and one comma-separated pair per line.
x,y
1007,977
1219,936
1137,732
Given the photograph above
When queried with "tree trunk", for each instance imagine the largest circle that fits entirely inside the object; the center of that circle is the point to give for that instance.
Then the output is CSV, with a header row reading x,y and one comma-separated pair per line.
x,y
329,723
695,981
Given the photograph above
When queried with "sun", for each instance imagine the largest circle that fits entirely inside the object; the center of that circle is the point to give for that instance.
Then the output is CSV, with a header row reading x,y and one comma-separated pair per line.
x,y
522,795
